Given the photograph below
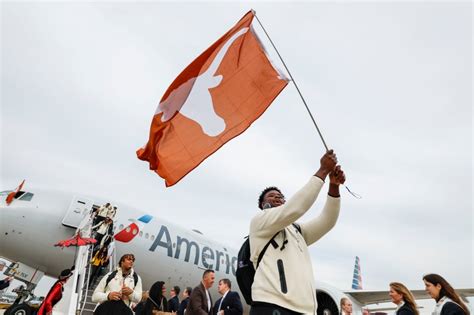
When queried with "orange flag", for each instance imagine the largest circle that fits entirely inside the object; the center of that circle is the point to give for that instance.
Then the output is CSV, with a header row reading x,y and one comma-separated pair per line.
x,y
216,98
13,193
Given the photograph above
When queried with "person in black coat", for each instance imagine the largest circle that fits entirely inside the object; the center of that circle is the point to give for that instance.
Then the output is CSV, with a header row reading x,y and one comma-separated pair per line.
x,y
404,299
447,300
155,300
5,282
229,303
184,302
173,303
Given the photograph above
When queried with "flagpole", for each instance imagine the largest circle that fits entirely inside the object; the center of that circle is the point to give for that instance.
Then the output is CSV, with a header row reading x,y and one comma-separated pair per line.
x,y
301,95
294,82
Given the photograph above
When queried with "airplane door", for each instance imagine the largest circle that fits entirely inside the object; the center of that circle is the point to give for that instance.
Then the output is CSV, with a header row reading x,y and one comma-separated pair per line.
x,y
78,209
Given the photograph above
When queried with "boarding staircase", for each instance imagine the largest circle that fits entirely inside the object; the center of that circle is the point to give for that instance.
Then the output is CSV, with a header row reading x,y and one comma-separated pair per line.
x,y
86,306
77,295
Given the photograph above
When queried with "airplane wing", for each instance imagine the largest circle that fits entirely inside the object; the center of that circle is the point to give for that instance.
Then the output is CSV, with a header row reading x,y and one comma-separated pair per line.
x,y
365,297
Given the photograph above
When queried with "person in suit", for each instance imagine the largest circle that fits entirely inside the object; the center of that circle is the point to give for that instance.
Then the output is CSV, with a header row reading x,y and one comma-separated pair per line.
x,y
173,302
346,306
184,302
200,302
229,303
447,300
404,299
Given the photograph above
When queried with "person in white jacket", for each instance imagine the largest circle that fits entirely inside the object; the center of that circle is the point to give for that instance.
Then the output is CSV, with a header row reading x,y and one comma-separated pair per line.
x,y
101,213
111,212
125,284
284,280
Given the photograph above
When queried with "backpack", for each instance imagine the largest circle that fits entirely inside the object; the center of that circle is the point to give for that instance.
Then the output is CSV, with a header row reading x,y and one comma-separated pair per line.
x,y
113,273
245,272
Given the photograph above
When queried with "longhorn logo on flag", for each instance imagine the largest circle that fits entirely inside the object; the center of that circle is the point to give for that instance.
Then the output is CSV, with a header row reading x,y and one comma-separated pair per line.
x,y
216,98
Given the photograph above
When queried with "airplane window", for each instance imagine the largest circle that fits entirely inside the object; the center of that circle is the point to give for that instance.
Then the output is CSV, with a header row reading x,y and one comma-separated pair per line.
x,y
134,231
174,245
26,196
121,226
127,229
152,237
141,233
19,194
147,235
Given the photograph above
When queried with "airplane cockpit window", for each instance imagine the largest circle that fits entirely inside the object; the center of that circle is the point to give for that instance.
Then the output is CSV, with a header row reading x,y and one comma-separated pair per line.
x,y
21,195
26,196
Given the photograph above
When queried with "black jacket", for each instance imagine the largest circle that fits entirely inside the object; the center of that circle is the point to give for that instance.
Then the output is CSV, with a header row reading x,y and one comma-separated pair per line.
x,y
451,308
183,305
405,310
231,305
4,284
173,304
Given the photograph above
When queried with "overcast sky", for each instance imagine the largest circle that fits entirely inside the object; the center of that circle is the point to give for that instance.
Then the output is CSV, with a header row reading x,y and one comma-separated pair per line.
x,y
390,85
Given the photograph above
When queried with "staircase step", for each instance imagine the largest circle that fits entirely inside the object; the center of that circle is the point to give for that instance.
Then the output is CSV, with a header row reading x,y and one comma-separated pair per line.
x,y
90,305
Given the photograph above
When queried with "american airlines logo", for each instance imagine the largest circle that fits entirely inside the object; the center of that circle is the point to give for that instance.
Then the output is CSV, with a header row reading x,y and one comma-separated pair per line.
x,y
132,230
191,251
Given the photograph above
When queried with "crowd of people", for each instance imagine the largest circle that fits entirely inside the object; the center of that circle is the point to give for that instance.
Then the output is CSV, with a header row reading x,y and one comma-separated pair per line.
x,y
103,232
285,285
448,302
120,292
103,224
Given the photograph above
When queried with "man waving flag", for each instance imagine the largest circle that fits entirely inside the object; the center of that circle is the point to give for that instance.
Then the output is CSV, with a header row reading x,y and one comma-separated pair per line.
x,y
216,98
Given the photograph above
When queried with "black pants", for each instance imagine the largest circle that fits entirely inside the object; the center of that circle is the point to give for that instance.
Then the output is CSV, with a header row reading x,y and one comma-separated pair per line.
x,y
98,219
99,238
261,308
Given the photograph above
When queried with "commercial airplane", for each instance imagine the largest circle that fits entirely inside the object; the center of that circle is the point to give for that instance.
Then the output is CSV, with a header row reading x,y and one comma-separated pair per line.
x,y
37,219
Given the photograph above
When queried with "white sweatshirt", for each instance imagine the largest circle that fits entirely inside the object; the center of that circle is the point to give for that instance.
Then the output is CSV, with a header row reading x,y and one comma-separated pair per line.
x,y
294,261
116,284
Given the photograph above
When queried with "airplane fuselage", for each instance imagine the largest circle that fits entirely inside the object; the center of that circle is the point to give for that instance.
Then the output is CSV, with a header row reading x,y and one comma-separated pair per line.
x,y
164,252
